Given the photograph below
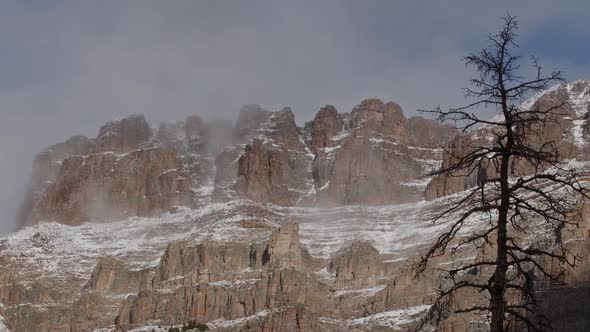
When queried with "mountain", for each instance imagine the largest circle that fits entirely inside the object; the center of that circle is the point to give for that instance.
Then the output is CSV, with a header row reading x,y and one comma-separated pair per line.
x,y
260,225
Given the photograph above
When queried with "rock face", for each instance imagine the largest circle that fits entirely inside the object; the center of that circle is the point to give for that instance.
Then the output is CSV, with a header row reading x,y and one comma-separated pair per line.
x,y
111,275
387,119
126,171
124,135
564,129
428,133
326,124
261,174
448,184
283,248
211,281
357,265
222,244
46,166
373,155
274,164
107,186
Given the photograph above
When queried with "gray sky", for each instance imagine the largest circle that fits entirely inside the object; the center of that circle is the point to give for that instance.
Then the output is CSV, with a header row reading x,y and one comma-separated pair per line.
x,y
68,66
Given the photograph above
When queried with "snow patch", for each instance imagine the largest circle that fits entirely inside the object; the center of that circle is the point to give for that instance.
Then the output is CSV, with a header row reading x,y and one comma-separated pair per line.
x,y
369,291
578,132
392,319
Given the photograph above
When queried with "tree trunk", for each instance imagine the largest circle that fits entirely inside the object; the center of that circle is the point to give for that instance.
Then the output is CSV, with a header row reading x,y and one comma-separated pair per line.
x,y
499,282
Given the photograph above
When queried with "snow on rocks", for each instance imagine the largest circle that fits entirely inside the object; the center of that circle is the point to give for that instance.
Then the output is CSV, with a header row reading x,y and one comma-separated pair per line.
x,y
395,319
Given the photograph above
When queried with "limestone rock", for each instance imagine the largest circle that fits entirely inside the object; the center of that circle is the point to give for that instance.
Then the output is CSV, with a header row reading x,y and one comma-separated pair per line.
x,y
404,291
210,301
261,174
274,165
208,262
326,124
388,119
106,186
111,275
47,163
46,166
212,280
373,155
123,135
444,185
357,265
563,130
283,248
428,133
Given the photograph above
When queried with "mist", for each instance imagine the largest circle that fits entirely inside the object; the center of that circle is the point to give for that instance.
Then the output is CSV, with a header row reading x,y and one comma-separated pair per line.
x,y
68,67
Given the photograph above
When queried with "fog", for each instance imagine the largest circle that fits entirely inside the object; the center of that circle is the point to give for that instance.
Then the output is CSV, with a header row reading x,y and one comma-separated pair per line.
x,y
68,67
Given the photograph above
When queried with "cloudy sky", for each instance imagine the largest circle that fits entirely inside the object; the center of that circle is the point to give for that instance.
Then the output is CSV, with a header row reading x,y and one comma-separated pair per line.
x,y
68,66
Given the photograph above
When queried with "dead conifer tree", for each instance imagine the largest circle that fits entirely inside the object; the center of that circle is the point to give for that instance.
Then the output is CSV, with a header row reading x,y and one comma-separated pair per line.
x,y
508,201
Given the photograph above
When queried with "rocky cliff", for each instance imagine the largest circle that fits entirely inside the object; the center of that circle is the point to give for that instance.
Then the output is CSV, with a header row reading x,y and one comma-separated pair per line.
x,y
129,169
566,129
372,155
270,226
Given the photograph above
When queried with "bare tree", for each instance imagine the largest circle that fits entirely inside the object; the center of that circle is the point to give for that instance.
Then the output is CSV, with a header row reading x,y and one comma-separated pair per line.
x,y
509,201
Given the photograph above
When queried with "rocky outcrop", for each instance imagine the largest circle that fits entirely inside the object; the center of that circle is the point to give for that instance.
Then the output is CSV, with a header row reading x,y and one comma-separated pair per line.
x,y
358,265
274,164
365,171
207,262
562,133
211,281
48,162
372,115
124,135
46,166
262,174
326,124
111,275
126,171
428,133
240,266
108,186
455,181
211,301
406,290
283,249
373,155
226,172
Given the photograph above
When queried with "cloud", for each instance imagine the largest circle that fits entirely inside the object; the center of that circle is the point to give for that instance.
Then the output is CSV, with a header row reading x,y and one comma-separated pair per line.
x,y
69,67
